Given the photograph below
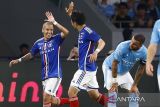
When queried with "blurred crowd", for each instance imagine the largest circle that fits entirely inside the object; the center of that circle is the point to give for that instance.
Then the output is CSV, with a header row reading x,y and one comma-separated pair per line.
x,y
130,13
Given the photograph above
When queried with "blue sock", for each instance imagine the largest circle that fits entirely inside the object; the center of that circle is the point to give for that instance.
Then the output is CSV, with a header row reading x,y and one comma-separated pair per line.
x,y
133,103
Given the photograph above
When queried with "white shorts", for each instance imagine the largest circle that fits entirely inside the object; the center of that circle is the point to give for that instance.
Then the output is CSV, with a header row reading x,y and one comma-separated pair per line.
x,y
50,85
85,80
124,81
158,75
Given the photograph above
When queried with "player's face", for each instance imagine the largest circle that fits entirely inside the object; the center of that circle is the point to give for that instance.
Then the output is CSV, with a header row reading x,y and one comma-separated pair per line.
x,y
47,31
135,45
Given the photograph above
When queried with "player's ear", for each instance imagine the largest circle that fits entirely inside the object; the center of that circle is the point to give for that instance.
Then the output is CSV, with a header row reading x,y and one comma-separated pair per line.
x,y
42,30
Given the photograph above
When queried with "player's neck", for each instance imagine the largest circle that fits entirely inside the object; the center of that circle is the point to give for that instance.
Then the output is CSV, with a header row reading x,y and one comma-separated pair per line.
x,y
46,38
80,27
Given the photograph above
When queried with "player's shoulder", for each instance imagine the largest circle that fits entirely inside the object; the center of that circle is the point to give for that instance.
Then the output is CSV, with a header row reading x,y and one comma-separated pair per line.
x,y
88,30
123,47
40,40
124,44
157,23
144,49
55,35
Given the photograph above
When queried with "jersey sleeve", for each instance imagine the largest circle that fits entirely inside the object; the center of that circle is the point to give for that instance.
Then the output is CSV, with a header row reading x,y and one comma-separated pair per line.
x,y
92,35
59,38
144,58
155,37
34,50
118,53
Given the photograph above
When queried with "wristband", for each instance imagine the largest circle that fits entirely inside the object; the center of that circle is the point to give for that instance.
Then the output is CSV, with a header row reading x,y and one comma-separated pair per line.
x,y
55,23
98,50
20,60
114,80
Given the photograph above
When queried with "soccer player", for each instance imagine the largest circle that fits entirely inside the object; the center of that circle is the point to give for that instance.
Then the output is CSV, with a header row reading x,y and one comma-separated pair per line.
x,y
73,55
116,68
49,49
155,41
85,76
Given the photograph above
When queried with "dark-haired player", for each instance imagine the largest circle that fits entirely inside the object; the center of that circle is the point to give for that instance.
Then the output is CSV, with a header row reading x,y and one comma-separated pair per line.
x,y
116,68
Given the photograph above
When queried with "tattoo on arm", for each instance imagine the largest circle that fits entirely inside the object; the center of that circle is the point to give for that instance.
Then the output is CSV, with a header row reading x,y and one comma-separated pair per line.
x,y
139,74
27,57
114,68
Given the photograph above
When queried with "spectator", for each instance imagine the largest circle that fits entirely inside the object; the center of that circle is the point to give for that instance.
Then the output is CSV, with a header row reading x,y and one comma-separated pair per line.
x,y
113,2
127,34
152,10
73,53
107,9
142,20
121,19
158,7
24,49
131,8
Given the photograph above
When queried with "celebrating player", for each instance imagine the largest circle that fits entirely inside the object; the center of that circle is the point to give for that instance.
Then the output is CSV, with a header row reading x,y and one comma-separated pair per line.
x,y
49,48
85,76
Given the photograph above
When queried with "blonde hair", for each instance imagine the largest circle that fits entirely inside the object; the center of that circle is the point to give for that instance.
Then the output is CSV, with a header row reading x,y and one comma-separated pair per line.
x,y
47,24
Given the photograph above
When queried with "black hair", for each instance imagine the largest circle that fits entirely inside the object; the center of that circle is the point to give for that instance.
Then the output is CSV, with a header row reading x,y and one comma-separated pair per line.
x,y
75,45
122,4
78,17
23,46
141,6
140,38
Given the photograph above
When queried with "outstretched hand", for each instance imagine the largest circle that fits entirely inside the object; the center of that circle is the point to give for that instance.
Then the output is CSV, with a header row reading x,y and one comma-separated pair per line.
x,y
149,69
70,9
50,17
93,57
114,87
134,89
13,62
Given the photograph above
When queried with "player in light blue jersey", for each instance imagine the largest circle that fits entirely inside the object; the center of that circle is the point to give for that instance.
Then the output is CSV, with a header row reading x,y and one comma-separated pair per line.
x,y
85,76
154,43
116,67
49,48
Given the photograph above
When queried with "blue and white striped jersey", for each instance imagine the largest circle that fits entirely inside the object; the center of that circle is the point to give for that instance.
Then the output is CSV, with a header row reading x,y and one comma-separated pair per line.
x,y
86,45
49,52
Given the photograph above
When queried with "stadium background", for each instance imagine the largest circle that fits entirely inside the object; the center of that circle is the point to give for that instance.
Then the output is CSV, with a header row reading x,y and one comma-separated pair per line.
x,y
21,22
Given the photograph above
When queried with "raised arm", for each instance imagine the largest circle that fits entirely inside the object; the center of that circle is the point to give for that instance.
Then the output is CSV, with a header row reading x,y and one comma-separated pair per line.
x,y
64,31
70,9
24,58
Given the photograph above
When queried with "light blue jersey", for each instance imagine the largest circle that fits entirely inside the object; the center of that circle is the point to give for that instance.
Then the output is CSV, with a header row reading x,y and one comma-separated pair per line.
x,y
126,57
86,45
155,37
49,52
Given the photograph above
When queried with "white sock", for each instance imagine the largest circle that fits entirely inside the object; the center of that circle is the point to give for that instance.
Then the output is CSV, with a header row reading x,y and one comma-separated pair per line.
x,y
133,103
112,99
